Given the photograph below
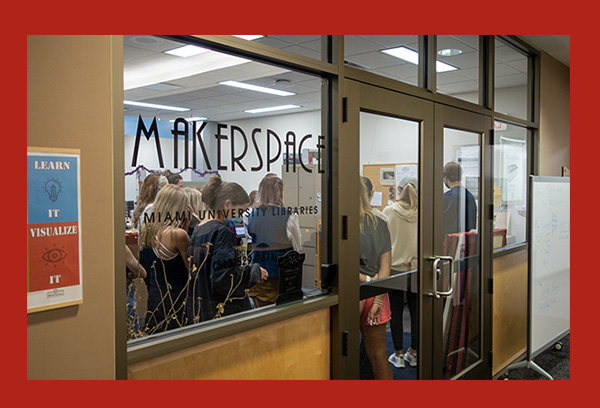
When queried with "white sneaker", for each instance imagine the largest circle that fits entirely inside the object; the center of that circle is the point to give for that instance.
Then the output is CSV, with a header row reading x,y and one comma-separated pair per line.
x,y
397,361
411,358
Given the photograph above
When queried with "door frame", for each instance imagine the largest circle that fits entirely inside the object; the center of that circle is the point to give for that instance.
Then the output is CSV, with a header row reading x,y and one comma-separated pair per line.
x,y
357,97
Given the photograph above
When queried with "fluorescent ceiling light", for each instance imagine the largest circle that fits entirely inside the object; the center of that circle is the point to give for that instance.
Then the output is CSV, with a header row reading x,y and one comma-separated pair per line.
x,y
187,51
154,106
190,119
249,37
256,88
272,109
411,56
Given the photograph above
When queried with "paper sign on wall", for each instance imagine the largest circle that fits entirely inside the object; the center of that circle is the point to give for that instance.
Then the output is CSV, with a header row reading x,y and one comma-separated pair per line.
x,y
53,228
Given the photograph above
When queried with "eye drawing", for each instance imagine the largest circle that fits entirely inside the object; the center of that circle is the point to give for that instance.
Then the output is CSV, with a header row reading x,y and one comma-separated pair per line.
x,y
54,255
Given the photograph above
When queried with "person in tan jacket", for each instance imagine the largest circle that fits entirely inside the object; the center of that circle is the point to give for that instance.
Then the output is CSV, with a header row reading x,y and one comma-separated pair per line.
x,y
403,216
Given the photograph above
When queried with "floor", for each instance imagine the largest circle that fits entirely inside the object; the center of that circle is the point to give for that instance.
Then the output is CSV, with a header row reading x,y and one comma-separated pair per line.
x,y
555,362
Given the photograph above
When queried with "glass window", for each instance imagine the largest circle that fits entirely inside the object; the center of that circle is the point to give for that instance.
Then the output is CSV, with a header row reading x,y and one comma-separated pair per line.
x,y
306,45
510,184
458,66
393,56
510,81
228,246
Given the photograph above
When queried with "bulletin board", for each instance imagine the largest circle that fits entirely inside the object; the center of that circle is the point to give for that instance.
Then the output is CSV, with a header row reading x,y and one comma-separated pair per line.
x,y
384,182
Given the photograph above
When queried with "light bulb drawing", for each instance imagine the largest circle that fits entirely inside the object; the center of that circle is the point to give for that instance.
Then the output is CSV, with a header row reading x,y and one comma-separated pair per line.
x,y
53,187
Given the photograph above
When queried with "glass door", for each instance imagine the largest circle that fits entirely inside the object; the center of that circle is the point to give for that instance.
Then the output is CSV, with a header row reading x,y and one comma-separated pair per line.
x,y
422,309
460,269
393,134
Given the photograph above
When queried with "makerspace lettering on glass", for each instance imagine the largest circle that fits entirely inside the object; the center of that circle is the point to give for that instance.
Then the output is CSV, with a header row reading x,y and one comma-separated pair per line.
x,y
272,154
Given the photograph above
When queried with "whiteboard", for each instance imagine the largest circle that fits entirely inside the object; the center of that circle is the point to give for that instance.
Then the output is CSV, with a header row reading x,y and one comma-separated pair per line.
x,y
550,262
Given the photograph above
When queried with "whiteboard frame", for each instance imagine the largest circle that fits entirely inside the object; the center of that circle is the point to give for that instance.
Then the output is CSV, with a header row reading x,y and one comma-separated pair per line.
x,y
531,354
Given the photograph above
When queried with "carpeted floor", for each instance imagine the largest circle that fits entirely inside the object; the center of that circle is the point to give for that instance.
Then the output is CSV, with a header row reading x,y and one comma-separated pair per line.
x,y
557,363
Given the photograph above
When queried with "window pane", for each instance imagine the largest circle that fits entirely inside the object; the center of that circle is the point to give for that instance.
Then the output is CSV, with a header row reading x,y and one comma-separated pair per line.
x,y
393,56
511,81
306,45
205,115
458,66
510,184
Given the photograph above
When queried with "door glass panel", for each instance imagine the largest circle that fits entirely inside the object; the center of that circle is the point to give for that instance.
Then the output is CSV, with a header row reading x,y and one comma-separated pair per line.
x,y
389,154
461,308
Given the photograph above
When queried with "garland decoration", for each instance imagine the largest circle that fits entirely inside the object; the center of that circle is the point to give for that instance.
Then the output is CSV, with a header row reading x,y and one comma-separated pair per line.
x,y
199,173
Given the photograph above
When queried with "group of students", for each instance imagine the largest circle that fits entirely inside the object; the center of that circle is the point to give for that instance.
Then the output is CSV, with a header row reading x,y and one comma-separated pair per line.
x,y
389,245
195,272
193,267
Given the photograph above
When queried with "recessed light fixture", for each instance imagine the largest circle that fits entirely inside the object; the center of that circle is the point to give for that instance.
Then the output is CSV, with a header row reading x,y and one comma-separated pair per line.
x,y
195,119
249,37
154,106
256,88
187,51
449,52
272,109
411,56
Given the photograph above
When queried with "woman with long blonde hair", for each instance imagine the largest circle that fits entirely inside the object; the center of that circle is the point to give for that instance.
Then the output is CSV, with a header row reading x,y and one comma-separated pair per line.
x,y
403,216
375,258
164,244
197,207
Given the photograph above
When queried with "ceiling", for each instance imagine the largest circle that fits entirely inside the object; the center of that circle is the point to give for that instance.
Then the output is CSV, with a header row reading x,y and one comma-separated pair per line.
x,y
152,76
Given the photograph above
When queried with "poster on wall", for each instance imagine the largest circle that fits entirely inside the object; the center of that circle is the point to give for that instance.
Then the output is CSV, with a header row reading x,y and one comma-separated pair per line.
x,y
53,228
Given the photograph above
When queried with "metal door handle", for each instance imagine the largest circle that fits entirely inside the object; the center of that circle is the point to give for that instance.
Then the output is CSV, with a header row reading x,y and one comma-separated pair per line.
x,y
436,261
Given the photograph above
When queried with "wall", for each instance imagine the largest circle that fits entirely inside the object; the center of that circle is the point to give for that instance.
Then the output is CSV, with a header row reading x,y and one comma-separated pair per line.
x,y
510,309
555,136
294,349
69,105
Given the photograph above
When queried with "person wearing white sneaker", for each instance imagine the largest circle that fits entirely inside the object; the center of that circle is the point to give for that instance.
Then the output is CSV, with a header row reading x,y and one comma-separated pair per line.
x,y
397,360
411,357
403,216
375,261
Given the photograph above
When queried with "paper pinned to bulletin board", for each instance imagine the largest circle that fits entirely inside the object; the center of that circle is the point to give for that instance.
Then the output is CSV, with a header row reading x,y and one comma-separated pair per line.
x,y
53,228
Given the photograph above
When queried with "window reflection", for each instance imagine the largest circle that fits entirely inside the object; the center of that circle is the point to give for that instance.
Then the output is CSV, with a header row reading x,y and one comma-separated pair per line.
x,y
197,151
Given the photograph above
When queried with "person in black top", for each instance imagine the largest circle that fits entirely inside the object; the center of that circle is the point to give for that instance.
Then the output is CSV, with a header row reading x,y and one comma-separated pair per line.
x,y
460,208
220,277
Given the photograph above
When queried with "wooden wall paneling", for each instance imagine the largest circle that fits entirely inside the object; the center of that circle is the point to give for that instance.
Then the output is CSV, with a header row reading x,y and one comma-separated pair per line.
x,y
294,349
